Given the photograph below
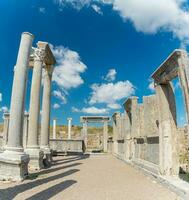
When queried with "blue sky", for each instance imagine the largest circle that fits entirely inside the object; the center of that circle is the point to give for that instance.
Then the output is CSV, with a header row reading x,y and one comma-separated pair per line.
x,y
105,50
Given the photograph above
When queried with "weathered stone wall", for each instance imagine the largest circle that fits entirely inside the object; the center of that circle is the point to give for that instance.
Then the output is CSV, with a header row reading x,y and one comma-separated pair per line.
x,y
72,146
183,144
147,139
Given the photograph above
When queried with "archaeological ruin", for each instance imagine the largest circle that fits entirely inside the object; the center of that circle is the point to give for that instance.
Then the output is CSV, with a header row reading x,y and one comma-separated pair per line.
x,y
145,135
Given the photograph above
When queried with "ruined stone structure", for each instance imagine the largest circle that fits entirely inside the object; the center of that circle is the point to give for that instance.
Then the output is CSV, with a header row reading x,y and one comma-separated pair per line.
x,y
21,144
146,134
96,119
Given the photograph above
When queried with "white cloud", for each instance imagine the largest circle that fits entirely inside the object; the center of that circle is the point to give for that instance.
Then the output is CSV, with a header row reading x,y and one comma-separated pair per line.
x,y
152,16
91,110
69,67
1,97
77,4
56,106
151,86
148,16
4,109
111,93
97,9
111,75
42,10
59,95
114,106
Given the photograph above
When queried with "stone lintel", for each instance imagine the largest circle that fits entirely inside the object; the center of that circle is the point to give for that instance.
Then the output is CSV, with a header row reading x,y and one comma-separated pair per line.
x,y
49,59
168,70
94,119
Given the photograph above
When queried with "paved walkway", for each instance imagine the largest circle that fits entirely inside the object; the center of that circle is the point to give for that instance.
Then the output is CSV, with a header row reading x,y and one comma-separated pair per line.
x,y
98,177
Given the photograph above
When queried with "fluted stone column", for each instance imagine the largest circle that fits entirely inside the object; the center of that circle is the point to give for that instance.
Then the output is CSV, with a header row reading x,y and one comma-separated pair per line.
x,y
69,127
33,149
54,129
13,161
6,117
25,129
105,136
85,133
45,121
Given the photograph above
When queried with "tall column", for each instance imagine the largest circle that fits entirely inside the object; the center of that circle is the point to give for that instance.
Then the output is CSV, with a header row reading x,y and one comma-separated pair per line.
x,y
168,139
25,129
45,118
85,133
54,128
6,117
13,161
69,127
36,155
105,136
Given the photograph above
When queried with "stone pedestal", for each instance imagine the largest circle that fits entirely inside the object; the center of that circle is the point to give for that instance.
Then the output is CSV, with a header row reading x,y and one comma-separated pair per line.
x,y
14,166
13,161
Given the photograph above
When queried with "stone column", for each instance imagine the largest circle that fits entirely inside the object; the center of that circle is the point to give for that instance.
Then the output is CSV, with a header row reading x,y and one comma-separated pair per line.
x,y
69,127
105,136
25,130
33,149
183,72
127,138
115,136
13,161
45,120
54,129
168,139
85,133
6,117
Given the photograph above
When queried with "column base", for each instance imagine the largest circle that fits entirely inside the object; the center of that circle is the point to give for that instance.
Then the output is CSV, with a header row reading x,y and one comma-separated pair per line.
x,y
47,160
36,159
13,166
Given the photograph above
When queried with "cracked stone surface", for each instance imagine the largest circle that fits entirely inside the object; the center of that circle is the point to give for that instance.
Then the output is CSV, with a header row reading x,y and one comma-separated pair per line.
x,y
94,177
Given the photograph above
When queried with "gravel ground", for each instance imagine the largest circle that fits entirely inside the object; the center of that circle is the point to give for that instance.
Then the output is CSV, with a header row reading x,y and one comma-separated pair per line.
x,y
94,177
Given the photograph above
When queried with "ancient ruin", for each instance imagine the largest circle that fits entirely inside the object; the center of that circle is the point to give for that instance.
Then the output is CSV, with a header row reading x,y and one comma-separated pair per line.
x,y
145,135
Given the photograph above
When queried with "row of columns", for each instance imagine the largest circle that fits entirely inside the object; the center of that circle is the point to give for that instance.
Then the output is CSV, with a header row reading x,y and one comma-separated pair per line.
x,y
69,128
14,160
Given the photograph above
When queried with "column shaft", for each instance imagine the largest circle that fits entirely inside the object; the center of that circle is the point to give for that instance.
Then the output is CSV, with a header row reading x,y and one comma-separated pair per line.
x,y
69,128
46,103
18,94
33,130
105,136
54,129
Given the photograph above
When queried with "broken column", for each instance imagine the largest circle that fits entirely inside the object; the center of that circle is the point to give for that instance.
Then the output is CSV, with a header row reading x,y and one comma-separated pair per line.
x,y
69,127
45,118
105,136
14,161
85,132
33,149
54,129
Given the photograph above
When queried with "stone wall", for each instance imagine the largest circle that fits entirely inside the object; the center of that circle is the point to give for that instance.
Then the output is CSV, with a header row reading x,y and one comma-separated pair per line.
x,y
136,136
67,146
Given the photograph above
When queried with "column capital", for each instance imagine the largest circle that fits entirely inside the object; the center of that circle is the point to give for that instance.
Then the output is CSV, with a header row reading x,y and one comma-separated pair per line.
x,y
38,54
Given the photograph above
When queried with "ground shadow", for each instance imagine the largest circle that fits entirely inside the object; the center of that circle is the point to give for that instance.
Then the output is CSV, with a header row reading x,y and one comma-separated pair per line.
x,y
52,191
11,192
38,178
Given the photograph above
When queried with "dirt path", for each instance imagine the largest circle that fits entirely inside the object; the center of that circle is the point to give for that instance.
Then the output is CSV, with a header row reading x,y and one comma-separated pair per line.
x,y
98,177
